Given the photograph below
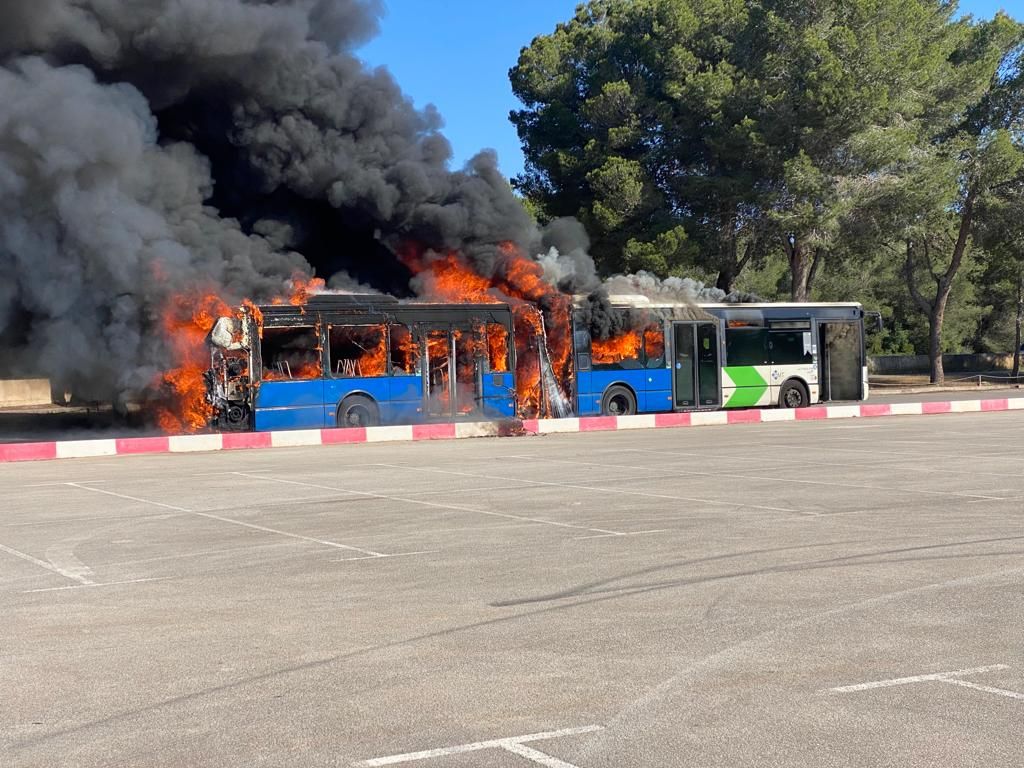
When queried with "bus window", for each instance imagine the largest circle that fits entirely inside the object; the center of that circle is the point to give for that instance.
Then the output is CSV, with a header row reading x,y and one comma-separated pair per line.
x,y
497,347
405,352
746,346
789,347
654,346
581,340
357,350
620,352
290,353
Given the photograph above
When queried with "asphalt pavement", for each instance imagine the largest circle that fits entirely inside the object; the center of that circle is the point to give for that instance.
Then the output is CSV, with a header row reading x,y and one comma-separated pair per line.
x,y
788,594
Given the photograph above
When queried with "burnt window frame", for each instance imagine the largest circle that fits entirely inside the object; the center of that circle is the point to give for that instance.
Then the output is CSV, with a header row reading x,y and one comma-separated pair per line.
x,y
640,359
329,358
315,330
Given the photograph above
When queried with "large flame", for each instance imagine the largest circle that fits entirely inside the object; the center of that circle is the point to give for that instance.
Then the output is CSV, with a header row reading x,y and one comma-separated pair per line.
x,y
625,346
541,313
187,320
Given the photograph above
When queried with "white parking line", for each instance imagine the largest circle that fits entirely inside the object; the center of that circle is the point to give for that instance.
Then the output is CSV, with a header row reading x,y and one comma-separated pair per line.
x,y
93,586
232,521
797,481
514,744
589,487
82,581
987,689
918,678
949,678
436,505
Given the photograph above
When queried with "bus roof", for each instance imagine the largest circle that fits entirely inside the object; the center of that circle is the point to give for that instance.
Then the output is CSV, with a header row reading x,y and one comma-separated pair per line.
x,y
639,301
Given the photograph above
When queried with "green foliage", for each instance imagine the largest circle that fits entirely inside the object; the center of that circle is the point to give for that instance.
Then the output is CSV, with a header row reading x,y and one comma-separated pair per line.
x,y
842,149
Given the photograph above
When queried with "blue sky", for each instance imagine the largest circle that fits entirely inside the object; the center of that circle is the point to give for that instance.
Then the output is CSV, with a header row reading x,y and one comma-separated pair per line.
x,y
456,55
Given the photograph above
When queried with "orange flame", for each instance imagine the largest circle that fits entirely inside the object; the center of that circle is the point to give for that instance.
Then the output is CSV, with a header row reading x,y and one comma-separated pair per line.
x,y
518,281
497,347
654,341
187,320
374,361
625,346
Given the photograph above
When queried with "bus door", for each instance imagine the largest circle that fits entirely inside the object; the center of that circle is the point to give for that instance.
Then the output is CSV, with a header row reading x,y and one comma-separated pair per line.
x,y
696,370
438,389
840,356
468,355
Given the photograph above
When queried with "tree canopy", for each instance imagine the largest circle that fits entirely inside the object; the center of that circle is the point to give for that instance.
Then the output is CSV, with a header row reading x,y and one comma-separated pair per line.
x,y
721,139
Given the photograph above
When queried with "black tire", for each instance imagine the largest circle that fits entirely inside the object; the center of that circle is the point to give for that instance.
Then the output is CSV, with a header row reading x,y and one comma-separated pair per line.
x,y
618,401
358,411
794,395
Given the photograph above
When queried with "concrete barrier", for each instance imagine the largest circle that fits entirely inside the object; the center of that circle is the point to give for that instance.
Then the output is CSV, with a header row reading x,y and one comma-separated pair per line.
x,y
19,392
513,427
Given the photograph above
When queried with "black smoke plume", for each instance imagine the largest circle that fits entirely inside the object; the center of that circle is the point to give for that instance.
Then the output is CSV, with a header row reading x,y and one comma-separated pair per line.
x,y
151,146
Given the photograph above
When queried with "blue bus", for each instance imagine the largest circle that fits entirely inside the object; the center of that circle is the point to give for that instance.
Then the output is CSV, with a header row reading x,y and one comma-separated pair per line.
x,y
709,356
359,361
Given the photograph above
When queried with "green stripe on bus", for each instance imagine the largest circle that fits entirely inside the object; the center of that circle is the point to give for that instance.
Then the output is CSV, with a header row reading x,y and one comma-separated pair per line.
x,y
750,386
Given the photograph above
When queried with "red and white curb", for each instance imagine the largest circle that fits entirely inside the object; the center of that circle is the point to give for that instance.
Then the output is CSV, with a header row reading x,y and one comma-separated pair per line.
x,y
133,446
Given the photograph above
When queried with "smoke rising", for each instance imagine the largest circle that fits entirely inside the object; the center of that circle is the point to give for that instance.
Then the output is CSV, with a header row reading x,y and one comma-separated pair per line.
x,y
154,146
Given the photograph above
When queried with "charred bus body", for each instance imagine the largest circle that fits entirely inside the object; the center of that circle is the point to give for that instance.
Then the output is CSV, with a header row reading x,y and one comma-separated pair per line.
x,y
357,361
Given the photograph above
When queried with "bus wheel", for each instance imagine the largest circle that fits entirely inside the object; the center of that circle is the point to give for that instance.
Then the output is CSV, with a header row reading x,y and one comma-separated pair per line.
x,y
793,395
358,411
618,401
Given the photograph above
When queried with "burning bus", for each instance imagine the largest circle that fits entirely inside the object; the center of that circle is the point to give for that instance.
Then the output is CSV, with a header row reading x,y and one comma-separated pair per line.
x,y
358,361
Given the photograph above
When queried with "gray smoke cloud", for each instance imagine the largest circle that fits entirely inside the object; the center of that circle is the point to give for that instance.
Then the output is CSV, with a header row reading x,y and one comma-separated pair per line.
x,y
149,146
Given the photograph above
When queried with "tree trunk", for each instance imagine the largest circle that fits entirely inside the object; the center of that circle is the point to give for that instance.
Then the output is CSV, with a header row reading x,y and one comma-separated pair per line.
x,y
726,278
938,375
799,269
1016,335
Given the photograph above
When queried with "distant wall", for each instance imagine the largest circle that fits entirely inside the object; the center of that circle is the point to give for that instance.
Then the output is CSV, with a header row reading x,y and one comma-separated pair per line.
x,y
18,392
894,364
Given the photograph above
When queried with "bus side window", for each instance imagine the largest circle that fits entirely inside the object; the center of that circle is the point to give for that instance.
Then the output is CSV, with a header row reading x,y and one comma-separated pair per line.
x,y
654,346
581,341
746,346
497,347
357,350
788,348
290,353
405,351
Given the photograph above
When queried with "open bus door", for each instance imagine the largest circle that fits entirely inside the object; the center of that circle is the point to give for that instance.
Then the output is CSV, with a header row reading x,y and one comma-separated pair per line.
x,y
840,359
453,384
696,380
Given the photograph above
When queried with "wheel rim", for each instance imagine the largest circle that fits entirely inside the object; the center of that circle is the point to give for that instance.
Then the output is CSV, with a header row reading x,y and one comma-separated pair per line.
x,y
618,405
794,398
357,416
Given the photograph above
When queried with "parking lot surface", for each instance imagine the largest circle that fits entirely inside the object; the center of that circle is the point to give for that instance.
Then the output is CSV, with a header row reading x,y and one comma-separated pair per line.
x,y
788,594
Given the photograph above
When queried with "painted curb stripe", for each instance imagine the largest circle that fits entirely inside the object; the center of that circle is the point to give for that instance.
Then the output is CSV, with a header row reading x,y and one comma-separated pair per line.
x,y
598,423
134,446
138,445
811,414
744,417
241,440
433,432
28,451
